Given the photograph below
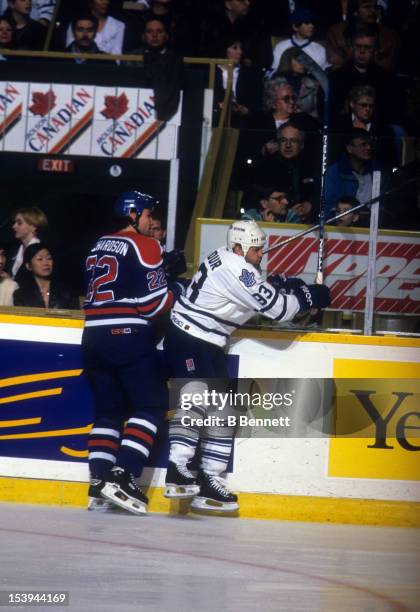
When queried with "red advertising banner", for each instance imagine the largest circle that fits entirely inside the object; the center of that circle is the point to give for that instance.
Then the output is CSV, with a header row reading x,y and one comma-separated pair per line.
x,y
345,263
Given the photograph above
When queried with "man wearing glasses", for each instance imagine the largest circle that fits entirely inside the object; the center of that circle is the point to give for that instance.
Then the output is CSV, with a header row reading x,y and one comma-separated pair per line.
x,y
352,175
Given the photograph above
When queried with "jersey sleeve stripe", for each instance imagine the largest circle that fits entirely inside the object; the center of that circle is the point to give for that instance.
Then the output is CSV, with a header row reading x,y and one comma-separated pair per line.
x,y
147,309
284,310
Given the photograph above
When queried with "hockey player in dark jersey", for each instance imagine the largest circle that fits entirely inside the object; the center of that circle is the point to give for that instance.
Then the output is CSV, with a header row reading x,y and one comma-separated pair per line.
x,y
227,290
125,289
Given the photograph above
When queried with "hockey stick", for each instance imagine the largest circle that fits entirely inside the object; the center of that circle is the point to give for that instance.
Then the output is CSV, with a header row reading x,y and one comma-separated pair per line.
x,y
319,277
313,68
343,214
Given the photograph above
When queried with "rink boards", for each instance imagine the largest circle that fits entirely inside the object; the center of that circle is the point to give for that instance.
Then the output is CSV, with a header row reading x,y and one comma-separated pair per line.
x,y
372,477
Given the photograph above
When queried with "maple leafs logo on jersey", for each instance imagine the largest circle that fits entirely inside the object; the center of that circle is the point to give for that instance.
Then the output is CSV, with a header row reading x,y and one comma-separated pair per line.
x,y
247,278
115,106
42,103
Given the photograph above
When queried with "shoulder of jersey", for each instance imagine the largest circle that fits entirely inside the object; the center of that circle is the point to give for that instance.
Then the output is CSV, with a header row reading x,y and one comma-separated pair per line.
x,y
147,248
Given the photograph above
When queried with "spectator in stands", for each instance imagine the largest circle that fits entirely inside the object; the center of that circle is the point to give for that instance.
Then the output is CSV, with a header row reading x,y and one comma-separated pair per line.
x,y
272,206
181,22
42,10
303,28
163,68
235,21
401,209
110,32
347,203
84,28
279,107
28,226
290,168
363,13
361,69
7,34
246,86
29,34
7,285
352,175
39,287
309,94
360,113
157,229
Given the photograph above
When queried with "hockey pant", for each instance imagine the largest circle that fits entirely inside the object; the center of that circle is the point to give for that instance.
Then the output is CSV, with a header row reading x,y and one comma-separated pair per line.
x,y
130,395
197,368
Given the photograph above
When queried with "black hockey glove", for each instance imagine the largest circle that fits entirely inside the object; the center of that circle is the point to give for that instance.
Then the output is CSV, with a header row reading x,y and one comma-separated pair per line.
x,y
285,284
312,296
174,263
178,286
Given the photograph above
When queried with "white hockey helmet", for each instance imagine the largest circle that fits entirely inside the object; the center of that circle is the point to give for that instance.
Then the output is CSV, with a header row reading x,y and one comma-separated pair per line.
x,y
247,234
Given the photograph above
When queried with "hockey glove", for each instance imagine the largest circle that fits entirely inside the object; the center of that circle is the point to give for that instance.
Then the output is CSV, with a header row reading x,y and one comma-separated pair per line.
x,y
178,286
312,296
174,263
285,285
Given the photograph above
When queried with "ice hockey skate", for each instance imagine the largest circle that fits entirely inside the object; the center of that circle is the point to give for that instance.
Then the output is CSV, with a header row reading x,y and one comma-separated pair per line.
x,y
180,483
121,489
96,502
214,496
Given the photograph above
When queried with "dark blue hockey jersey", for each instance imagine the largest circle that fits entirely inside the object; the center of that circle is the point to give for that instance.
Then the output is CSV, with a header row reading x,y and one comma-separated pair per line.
x,y
125,282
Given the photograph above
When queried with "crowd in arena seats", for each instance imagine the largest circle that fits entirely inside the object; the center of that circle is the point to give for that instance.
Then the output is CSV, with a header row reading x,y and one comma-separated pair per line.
x,y
29,275
299,65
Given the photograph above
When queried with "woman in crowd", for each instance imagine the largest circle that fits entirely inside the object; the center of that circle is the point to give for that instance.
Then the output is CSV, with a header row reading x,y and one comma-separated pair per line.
x,y
28,224
305,85
39,287
7,35
246,85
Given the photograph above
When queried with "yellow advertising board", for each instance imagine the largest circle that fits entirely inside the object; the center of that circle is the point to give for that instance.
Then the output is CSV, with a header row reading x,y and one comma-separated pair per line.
x,y
377,420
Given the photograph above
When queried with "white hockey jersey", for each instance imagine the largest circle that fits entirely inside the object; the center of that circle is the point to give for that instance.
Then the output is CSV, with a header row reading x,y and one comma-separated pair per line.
x,y
225,292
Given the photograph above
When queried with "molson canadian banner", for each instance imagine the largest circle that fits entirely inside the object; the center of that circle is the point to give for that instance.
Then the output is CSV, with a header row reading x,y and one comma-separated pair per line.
x,y
345,263
115,122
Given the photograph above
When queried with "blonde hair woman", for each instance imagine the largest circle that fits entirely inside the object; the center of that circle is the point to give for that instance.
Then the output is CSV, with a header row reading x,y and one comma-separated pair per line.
x,y
28,224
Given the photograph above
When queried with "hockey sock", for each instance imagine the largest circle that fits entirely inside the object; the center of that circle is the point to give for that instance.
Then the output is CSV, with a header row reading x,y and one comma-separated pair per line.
x,y
180,433
137,440
215,454
103,445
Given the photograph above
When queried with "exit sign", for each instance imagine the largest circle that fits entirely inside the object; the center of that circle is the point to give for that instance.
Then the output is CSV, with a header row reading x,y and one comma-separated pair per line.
x,y
63,166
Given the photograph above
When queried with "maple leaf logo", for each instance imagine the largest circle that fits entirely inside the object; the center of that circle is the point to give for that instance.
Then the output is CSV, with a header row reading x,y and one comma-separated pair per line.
x,y
115,106
42,103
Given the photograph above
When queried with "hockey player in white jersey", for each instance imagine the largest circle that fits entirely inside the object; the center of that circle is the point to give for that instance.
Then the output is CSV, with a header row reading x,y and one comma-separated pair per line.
x,y
227,290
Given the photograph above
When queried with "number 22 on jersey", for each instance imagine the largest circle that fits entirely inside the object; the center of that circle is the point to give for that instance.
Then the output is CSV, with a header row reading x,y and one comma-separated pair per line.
x,y
96,291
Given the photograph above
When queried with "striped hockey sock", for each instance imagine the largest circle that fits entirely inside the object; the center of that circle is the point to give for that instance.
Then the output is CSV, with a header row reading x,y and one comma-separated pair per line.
x,y
103,445
137,440
215,454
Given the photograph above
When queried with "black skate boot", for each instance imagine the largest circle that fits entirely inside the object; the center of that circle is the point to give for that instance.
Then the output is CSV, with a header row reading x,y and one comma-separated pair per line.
x,y
180,483
214,496
96,502
121,489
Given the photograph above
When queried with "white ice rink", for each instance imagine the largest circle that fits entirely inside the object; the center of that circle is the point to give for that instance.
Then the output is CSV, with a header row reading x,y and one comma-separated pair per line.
x,y
192,563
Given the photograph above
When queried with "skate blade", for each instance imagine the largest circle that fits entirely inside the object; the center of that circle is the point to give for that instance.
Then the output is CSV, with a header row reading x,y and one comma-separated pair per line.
x,y
173,491
114,494
99,505
211,505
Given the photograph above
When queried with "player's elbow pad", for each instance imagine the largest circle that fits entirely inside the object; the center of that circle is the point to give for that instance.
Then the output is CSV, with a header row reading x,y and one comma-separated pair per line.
x,y
312,296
